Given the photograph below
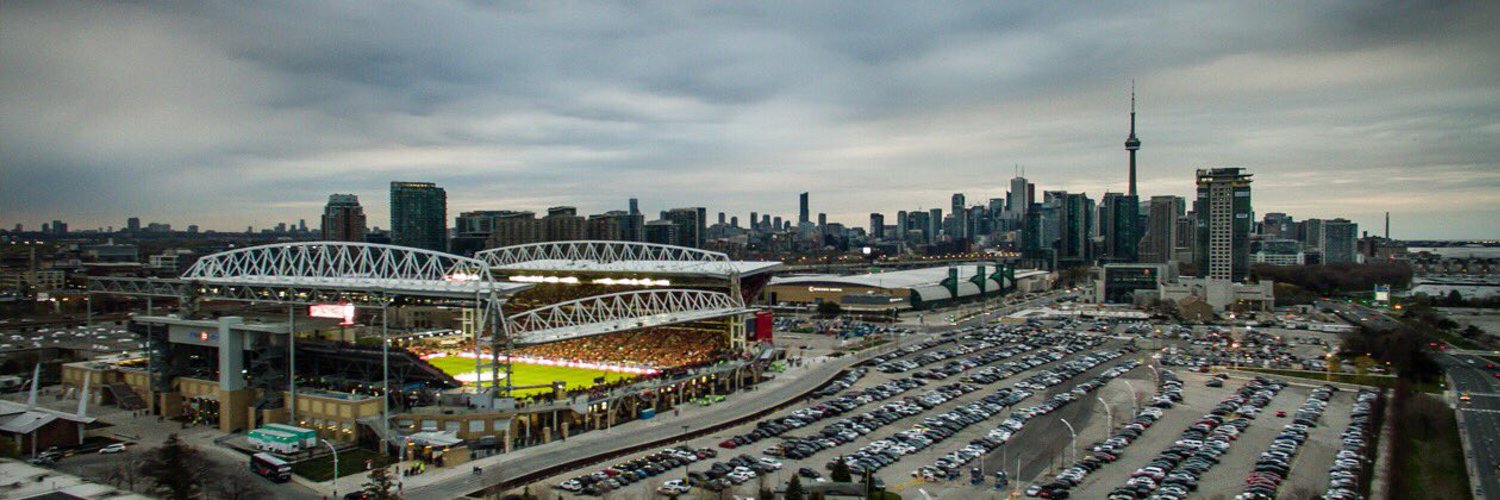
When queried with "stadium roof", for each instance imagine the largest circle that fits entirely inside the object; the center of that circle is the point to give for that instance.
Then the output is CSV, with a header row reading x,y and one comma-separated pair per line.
x,y
350,267
644,267
618,257
385,285
911,278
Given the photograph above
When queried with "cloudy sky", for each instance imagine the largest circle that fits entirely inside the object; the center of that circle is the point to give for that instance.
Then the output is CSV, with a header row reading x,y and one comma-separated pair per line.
x,y
228,114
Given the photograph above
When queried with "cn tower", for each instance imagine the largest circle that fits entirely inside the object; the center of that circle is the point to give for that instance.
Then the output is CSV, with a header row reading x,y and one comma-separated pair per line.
x,y
1131,143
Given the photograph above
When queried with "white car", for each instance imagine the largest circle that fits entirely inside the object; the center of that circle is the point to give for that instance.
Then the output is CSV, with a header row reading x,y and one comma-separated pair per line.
x,y
674,487
771,462
114,448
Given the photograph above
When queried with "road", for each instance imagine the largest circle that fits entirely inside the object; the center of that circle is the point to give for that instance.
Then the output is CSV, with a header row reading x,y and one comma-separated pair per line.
x,y
1360,315
1480,417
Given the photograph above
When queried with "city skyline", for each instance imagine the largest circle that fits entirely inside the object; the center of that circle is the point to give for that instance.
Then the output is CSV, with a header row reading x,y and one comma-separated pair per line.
x,y
1339,109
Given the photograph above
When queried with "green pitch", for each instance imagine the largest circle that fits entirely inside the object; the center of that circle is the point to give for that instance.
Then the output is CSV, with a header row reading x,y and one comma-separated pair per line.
x,y
532,374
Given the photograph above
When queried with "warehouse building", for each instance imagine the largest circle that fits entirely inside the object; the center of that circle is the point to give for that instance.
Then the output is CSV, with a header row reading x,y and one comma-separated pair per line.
x,y
914,289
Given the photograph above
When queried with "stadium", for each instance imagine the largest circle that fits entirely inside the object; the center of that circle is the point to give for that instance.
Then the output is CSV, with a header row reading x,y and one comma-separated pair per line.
x,y
421,353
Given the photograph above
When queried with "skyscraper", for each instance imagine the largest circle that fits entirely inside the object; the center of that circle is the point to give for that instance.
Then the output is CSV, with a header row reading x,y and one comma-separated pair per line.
x,y
133,224
901,226
1022,194
1339,240
1132,144
803,215
343,218
921,221
1075,230
822,221
419,215
1223,225
877,226
960,213
1159,244
754,221
635,207
934,224
690,225
1117,225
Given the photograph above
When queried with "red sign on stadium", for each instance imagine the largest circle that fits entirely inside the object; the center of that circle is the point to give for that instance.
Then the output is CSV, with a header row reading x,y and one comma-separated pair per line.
x,y
344,312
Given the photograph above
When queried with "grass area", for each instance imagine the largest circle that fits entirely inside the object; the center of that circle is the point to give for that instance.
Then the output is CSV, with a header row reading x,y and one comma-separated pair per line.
x,y
1430,456
1345,378
533,374
351,462
1460,342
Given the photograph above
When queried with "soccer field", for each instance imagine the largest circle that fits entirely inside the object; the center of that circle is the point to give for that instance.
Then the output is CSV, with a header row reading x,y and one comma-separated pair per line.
x,y
532,374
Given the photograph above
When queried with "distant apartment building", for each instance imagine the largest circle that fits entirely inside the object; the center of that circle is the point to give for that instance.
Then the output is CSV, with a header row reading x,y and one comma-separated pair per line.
x,y
1339,241
419,215
1159,244
1223,225
343,218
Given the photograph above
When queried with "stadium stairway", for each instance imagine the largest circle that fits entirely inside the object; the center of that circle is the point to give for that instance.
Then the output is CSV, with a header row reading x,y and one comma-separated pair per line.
x,y
125,396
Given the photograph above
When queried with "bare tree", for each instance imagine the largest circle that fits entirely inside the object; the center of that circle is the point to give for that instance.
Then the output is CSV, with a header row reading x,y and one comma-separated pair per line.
x,y
125,472
230,483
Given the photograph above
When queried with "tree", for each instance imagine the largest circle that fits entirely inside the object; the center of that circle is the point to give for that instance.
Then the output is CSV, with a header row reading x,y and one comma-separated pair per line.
x,y
794,489
229,484
841,472
767,494
379,486
1471,332
175,469
9,449
829,309
1454,299
125,472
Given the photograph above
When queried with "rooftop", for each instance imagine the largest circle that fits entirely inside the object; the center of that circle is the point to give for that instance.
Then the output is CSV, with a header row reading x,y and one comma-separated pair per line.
x,y
23,480
911,278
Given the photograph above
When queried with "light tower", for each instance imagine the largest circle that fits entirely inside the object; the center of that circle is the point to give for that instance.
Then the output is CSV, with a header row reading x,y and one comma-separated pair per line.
x,y
1132,143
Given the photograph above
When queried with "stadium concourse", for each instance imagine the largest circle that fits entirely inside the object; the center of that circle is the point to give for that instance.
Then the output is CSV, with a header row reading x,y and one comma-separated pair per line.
x,y
536,343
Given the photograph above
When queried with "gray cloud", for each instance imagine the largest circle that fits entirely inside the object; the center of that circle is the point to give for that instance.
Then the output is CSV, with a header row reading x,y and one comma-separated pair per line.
x,y
234,114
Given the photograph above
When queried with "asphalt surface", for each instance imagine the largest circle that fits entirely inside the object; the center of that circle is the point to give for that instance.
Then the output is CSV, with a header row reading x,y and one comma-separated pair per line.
x,y
1481,417
1360,315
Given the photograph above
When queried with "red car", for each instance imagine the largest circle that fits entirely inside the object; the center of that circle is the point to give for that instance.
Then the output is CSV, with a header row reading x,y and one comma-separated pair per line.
x,y
1281,413
1490,366
728,444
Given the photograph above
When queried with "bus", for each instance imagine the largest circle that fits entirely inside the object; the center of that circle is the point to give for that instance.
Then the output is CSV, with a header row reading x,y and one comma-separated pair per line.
x,y
270,467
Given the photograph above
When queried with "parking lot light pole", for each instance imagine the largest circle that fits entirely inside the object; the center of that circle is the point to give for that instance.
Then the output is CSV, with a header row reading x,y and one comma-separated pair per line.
x,y
335,467
1108,415
1135,399
1072,438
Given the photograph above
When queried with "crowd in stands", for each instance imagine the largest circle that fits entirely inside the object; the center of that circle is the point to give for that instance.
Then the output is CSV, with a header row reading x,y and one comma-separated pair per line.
x,y
659,348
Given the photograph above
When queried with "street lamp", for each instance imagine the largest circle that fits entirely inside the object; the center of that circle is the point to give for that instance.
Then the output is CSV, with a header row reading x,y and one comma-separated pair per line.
x,y
1072,438
1135,402
1108,415
335,467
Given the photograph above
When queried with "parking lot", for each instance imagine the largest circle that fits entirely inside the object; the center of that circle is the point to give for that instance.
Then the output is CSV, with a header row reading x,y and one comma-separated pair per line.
x,y
925,420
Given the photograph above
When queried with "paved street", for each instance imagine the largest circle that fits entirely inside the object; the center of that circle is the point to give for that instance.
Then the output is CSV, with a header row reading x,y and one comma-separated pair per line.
x,y
1480,417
